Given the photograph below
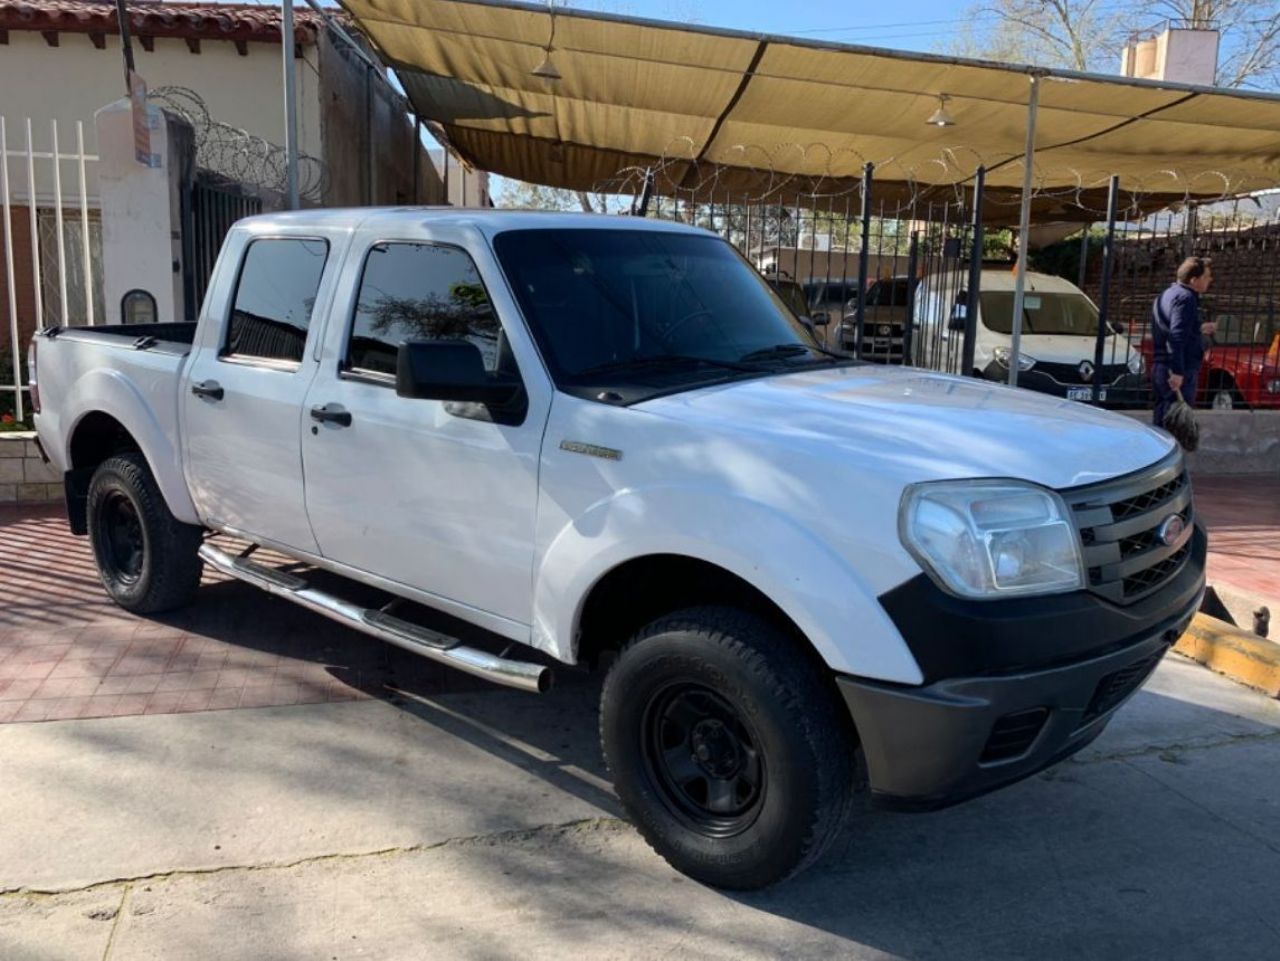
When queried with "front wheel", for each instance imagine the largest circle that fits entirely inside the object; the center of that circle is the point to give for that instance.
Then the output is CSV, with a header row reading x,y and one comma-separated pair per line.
x,y
147,558
728,747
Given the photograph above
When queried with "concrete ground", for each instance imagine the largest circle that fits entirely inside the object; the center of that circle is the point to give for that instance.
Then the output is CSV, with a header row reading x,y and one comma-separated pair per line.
x,y
353,802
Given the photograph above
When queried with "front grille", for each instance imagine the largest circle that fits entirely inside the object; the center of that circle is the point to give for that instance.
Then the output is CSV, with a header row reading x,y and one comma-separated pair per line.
x,y
1120,523
1116,686
1156,574
1148,500
1013,735
1069,374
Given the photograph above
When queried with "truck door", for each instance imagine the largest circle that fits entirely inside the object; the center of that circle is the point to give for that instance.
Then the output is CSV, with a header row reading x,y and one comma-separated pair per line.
x,y
244,393
435,495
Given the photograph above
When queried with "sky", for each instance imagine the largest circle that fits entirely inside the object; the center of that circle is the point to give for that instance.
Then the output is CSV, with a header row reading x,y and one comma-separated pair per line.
x,y
927,26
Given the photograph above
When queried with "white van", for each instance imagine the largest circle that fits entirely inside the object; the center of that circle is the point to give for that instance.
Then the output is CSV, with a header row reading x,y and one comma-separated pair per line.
x,y
1059,336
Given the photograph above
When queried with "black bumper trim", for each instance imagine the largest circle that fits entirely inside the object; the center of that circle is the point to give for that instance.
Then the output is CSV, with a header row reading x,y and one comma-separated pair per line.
x,y
956,637
924,745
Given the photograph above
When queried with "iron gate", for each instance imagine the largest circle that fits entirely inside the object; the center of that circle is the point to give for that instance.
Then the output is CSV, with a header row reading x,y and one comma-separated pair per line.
x,y
210,207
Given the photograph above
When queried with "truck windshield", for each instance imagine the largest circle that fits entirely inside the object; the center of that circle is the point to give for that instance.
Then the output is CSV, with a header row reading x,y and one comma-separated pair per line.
x,y
1042,313
648,309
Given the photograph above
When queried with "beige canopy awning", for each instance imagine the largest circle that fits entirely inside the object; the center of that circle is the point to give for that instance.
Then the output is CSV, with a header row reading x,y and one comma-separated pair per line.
x,y
718,114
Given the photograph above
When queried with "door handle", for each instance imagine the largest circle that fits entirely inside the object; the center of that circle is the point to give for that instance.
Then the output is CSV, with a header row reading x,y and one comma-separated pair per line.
x,y
209,388
331,415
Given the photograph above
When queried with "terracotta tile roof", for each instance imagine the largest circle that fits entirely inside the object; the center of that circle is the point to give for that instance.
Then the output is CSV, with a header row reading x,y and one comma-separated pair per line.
x,y
151,18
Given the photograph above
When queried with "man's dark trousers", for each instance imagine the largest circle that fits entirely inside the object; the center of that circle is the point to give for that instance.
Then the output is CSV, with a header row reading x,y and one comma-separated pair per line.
x,y
1164,393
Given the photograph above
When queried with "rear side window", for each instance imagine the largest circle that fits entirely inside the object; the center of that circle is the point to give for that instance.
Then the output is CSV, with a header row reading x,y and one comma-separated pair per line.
x,y
275,297
417,291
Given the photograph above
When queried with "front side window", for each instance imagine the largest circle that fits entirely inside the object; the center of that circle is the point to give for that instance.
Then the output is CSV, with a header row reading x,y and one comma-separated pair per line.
x,y
419,291
275,296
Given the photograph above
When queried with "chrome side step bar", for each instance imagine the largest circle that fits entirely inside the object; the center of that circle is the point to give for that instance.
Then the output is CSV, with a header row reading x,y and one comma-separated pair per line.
x,y
420,640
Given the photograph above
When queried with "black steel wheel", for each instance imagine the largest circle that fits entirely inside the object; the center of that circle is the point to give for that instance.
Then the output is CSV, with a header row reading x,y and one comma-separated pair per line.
x,y
704,760
147,558
120,532
729,746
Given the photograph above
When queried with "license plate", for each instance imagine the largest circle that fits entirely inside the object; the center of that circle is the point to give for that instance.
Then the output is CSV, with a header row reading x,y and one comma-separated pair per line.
x,y
1085,393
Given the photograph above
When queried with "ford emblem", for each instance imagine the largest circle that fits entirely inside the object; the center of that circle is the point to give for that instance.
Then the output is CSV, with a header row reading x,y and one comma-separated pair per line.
x,y
1170,530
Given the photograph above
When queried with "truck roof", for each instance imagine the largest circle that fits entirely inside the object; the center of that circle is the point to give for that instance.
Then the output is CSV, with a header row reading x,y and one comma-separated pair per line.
x,y
489,220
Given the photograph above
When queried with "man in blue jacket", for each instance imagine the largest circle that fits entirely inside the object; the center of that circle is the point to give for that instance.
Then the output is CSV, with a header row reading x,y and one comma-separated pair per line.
x,y
1177,333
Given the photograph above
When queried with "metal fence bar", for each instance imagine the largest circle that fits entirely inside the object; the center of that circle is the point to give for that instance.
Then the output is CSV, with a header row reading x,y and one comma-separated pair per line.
x,y
909,321
860,314
9,273
84,226
1104,298
35,229
975,275
57,221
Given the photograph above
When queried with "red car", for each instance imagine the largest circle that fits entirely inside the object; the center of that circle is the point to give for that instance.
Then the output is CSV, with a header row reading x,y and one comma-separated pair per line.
x,y
1242,364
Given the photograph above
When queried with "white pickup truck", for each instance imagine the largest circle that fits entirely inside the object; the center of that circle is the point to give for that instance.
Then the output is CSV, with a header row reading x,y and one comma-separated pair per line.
x,y
606,439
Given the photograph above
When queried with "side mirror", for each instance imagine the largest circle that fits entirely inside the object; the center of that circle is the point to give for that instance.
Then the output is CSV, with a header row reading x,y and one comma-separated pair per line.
x,y
820,318
450,370
958,318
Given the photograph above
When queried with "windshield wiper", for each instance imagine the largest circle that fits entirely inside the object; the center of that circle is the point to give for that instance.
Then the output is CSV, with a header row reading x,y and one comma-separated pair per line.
x,y
647,361
789,350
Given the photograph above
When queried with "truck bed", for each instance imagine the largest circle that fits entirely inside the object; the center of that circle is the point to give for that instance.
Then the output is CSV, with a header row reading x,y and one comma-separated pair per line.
x,y
173,338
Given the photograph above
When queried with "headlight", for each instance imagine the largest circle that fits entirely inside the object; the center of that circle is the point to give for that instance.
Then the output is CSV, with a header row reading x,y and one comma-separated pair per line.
x,y
1136,363
992,538
1001,354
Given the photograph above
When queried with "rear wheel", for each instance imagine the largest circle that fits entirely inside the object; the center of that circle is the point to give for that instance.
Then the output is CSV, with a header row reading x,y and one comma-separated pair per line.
x,y
727,747
146,557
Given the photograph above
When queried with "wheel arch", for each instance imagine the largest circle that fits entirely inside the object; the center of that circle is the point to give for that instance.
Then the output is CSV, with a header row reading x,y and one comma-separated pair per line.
x,y
111,416
638,547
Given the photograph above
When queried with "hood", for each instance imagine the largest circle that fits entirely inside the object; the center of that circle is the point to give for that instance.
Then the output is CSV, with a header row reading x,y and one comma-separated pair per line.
x,y
917,425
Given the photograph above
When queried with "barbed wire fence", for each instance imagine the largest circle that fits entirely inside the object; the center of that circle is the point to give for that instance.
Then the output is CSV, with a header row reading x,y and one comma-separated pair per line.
x,y
856,249
238,156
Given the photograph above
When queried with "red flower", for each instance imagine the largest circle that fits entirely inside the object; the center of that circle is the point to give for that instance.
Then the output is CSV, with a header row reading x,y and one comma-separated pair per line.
x,y
6,418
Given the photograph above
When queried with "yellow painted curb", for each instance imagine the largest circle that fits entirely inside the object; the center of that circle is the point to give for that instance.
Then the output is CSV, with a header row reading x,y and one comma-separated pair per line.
x,y
1241,656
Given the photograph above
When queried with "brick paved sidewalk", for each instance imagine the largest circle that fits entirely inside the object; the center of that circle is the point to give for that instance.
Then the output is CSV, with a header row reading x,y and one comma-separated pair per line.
x,y
66,651
1242,512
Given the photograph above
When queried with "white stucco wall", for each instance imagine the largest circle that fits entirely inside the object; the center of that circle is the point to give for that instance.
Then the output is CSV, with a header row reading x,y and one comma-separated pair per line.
x,y
141,239
71,81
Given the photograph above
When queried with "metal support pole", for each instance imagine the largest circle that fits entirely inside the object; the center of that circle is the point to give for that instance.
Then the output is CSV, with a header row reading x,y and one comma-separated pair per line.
x,y
287,43
909,324
1084,256
975,276
1104,297
126,44
368,136
1024,226
868,172
646,193
417,147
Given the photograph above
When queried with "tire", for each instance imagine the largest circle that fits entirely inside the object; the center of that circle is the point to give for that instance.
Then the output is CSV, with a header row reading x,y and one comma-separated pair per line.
x,y
1226,399
147,558
1223,394
711,697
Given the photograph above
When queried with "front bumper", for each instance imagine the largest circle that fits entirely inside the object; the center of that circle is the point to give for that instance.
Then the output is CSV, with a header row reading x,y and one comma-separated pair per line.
x,y
931,746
